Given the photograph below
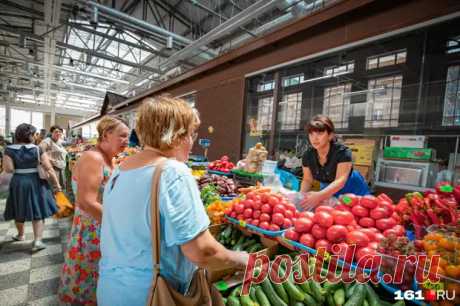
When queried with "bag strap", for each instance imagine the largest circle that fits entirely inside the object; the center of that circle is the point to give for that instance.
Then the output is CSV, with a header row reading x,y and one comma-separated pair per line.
x,y
155,216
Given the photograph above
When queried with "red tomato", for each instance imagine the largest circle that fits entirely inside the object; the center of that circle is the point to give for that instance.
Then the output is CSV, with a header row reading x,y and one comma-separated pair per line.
x,y
342,217
279,208
378,213
233,214
266,209
327,209
343,250
247,213
384,224
351,228
256,214
323,218
292,235
373,245
318,232
396,217
257,205
264,225
248,204
366,222
336,233
248,220
278,219
357,238
369,201
379,237
307,240
255,222
400,230
390,232
257,198
240,217
273,201
239,208
251,195
360,211
291,207
322,243
342,208
264,198
274,227
307,214
289,214
228,211
363,252
264,217
370,233
293,220
303,225
287,223
389,209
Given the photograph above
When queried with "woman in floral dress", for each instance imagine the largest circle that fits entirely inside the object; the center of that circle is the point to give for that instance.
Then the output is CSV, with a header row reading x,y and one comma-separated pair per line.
x,y
80,269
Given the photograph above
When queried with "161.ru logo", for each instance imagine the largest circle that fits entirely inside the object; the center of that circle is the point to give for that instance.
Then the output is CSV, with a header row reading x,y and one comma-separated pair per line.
x,y
429,296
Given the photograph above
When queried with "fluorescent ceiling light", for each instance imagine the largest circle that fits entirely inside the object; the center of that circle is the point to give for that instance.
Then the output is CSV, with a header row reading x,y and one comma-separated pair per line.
x,y
142,82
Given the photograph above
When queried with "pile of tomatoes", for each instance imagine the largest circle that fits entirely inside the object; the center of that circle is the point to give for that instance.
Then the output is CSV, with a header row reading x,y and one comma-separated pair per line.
x,y
266,210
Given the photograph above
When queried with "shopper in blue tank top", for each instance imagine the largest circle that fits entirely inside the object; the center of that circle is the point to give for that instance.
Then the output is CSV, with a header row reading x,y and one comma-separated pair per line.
x,y
166,127
330,163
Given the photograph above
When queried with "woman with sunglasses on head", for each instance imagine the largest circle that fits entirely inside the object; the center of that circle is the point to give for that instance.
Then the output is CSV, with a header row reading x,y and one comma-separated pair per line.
x,y
330,163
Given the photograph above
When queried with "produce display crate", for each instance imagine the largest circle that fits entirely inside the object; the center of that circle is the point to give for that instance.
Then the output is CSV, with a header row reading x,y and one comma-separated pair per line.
x,y
227,174
408,153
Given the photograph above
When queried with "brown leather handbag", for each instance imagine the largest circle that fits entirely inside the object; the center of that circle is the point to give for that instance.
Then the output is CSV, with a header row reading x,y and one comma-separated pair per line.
x,y
200,292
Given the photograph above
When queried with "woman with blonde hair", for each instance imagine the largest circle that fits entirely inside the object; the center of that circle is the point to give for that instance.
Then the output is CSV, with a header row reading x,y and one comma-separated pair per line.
x,y
167,129
80,269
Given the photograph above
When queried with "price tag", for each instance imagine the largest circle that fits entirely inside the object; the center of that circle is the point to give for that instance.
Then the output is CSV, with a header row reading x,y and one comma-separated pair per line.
x,y
347,200
242,223
434,286
327,256
221,285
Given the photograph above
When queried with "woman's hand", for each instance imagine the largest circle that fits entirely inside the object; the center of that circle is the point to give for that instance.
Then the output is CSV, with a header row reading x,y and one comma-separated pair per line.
x,y
311,200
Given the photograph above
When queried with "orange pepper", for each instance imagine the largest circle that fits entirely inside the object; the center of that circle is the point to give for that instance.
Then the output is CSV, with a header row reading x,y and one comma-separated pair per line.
x,y
430,245
447,243
453,271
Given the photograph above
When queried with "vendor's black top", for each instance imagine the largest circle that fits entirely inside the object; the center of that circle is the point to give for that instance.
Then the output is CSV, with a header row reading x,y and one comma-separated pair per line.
x,y
338,153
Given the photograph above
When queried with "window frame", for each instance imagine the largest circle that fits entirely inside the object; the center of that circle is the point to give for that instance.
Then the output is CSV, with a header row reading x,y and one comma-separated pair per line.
x,y
378,57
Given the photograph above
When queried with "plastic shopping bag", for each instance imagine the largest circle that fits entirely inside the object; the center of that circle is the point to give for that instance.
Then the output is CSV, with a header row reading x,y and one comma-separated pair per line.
x,y
65,207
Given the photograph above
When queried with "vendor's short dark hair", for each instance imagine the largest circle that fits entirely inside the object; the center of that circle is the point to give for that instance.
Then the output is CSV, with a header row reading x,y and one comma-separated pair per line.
x,y
320,123
24,133
56,127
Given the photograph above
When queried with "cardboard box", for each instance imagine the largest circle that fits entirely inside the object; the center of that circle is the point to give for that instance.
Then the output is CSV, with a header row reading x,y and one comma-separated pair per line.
x,y
362,151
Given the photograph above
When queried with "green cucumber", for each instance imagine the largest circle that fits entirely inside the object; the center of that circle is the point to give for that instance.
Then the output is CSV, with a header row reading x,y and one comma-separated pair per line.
x,y
339,297
261,297
385,303
236,291
309,300
350,290
279,289
366,303
255,248
252,293
248,243
235,236
227,232
245,300
293,291
271,294
224,300
399,303
331,287
297,304
233,301
305,287
330,300
238,244
359,294
318,292
371,296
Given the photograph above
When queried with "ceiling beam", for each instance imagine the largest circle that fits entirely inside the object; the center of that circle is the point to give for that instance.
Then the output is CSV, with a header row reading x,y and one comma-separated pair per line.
x,y
47,109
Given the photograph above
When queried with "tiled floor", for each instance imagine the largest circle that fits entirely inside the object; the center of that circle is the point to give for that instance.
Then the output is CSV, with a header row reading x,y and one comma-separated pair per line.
x,y
28,278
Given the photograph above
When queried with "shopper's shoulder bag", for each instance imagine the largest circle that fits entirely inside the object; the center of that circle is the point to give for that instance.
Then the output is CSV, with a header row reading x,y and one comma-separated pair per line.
x,y
200,292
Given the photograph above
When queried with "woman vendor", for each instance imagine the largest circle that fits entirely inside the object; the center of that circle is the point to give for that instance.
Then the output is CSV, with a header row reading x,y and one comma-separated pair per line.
x,y
328,162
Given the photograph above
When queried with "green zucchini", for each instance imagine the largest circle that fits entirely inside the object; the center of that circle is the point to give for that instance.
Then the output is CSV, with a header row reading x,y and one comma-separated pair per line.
x,y
309,300
359,294
339,297
366,303
236,291
305,287
238,244
248,243
261,297
281,292
235,236
246,300
271,294
350,290
226,233
371,296
331,287
318,292
233,301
